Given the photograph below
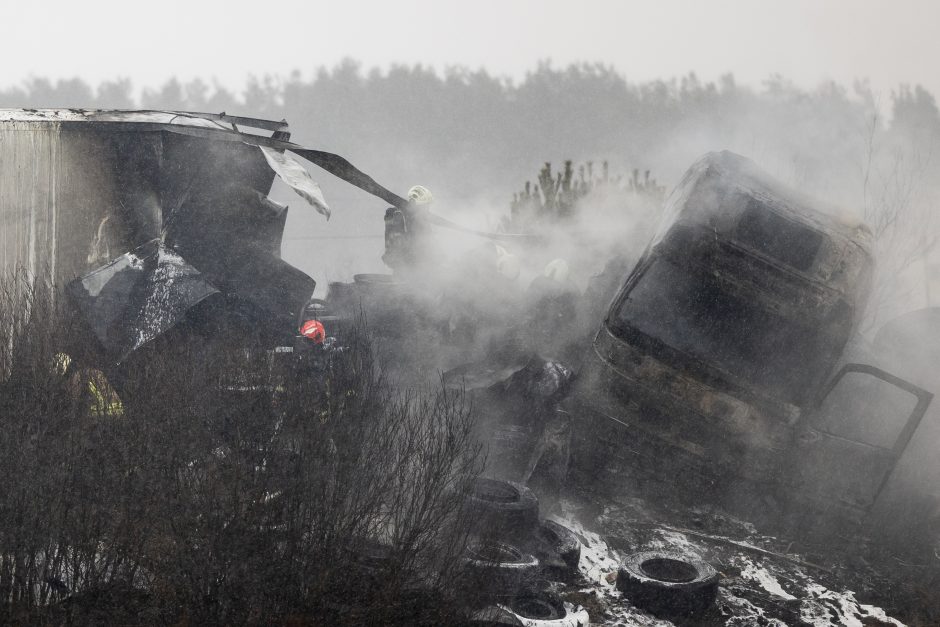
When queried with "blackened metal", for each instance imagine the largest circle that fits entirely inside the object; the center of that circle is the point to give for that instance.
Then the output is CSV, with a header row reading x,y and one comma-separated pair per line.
x,y
138,296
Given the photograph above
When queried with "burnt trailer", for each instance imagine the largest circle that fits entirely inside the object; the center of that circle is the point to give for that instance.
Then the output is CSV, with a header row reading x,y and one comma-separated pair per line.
x,y
721,363
142,216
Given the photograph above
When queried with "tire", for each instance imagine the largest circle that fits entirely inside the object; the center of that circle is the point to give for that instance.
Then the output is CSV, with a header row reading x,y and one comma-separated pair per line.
x,y
496,568
504,508
668,584
534,609
556,543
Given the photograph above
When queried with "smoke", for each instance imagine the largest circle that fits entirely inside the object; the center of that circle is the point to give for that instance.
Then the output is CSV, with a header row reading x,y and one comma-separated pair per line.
x,y
475,139
831,145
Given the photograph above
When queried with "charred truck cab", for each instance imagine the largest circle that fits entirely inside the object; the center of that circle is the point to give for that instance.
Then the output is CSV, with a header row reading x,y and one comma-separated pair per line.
x,y
714,367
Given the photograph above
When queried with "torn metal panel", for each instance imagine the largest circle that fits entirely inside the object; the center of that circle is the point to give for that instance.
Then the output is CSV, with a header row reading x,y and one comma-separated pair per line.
x,y
138,296
275,290
297,178
79,189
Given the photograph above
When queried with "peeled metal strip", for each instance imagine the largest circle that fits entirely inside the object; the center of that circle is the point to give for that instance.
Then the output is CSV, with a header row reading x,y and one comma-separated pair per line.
x,y
297,178
340,167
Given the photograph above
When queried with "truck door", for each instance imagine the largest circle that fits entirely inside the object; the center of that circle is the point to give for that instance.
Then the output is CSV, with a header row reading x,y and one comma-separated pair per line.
x,y
847,448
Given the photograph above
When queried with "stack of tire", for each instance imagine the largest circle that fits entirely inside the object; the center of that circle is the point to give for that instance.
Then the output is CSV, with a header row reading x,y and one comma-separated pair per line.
x,y
514,555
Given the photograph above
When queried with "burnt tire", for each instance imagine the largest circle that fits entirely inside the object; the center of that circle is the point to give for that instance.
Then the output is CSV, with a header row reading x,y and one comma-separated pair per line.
x,y
496,568
557,547
534,609
503,508
667,584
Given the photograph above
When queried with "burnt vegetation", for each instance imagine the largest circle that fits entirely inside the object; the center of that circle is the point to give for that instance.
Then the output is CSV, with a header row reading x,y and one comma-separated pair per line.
x,y
222,491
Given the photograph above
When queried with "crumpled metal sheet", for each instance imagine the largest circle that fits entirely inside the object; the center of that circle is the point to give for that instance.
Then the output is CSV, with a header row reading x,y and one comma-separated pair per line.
x,y
527,377
297,178
481,375
138,296
541,379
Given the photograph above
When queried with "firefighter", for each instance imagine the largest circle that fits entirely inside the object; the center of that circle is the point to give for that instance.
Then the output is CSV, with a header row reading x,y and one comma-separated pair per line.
x,y
407,231
103,401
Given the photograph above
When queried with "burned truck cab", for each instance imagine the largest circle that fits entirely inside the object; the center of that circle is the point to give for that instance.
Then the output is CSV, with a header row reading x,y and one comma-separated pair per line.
x,y
712,360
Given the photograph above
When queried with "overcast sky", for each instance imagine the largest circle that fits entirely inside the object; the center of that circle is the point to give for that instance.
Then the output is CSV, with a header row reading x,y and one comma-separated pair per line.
x,y
808,41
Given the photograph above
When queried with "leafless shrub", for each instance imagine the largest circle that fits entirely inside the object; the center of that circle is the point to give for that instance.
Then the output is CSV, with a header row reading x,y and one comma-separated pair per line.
x,y
229,486
563,195
898,208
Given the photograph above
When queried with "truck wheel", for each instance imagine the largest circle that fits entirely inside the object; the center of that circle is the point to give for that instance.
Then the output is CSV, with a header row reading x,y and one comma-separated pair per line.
x,y
547,610
667,584
505,508
555,539
496,568
534,609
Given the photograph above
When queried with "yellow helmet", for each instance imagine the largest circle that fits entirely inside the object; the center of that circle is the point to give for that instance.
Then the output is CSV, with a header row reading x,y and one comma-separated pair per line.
x,y
420,195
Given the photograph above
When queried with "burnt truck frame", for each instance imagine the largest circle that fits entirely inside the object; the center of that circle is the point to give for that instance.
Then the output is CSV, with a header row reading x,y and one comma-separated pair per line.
x,y
156,221
713,368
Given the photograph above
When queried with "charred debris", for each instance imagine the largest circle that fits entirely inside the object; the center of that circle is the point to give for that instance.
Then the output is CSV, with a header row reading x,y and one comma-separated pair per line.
x,y
714,368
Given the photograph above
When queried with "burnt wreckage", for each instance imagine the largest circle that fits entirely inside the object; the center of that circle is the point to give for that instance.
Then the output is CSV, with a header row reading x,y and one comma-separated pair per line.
x,y
721,363
159,214
722,352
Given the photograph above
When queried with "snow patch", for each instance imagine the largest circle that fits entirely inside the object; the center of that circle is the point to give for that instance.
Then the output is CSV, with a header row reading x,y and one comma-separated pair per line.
x,y
597,559
674,541
825,608
767,581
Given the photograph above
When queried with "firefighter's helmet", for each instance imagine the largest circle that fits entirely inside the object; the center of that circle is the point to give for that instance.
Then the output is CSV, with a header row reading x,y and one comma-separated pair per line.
x,y
420,195
314,331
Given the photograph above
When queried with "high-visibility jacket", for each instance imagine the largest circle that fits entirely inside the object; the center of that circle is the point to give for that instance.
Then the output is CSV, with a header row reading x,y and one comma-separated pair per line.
x,y
104,400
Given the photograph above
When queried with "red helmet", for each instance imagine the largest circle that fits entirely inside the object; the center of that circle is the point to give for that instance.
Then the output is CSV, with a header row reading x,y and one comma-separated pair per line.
x,y
313,330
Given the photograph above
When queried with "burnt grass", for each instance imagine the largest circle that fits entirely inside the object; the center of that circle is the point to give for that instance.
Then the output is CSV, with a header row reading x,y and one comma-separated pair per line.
x,y
227,487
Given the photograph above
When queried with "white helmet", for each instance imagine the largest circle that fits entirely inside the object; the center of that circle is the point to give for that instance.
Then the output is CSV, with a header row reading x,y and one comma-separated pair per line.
x,y
420,195
557,270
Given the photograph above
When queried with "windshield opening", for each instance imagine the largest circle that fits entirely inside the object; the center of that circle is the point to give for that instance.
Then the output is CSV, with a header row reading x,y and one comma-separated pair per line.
x,y
689,311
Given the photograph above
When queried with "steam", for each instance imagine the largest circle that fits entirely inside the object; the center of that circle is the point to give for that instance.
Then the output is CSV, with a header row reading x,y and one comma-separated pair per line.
x,y
475,140
835,147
